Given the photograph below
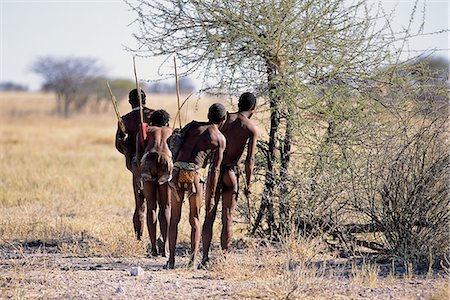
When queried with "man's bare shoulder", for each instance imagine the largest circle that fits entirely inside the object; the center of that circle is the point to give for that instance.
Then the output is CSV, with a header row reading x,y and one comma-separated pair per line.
x,y
216,134
220,136
249,123
231,117
167,131
129,115
252,127
243,122
164,130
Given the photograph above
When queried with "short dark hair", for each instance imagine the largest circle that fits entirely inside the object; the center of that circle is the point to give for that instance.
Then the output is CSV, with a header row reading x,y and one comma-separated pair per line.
x,y
159,118
247,101
216,113
133,97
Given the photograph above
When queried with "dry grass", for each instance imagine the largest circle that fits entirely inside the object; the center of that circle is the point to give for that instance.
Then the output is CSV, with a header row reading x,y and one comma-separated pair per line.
x,y
442,291
62,179
63,186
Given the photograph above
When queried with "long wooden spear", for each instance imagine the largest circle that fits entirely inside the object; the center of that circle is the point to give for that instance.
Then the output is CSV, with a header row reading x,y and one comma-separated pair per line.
x,y
116,109
143,126
179,109
177,87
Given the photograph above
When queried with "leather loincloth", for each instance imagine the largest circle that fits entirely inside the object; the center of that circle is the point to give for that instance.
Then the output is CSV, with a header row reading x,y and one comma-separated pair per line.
x,y
156,166
186,176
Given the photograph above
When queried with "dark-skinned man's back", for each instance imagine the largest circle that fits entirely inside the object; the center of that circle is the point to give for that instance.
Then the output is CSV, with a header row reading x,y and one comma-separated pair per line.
x,y
240,133
240,130
200,140
127,146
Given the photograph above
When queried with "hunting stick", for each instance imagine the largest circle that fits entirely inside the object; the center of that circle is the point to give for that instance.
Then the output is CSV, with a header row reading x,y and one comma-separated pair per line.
x,y
143,132
179,110
141,113
116,109
249,211
177,87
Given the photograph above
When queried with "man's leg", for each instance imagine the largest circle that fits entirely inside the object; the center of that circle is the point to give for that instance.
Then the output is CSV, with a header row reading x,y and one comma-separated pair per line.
x,y
229,192
175,215
164,214
139,210
150,190
207,231
195,203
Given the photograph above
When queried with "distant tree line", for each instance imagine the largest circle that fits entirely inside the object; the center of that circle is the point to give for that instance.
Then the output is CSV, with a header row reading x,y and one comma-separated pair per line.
x,y
161,87
80,84
12,86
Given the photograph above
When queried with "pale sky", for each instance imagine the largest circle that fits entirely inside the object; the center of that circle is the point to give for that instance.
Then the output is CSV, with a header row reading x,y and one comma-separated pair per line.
x,y
100,29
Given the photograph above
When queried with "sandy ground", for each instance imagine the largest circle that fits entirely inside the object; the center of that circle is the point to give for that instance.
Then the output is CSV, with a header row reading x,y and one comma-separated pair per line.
x,y
46,275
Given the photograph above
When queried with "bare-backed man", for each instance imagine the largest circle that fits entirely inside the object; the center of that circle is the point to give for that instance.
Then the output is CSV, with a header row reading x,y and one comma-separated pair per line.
x,y
156,172
239,132
200,140
127,146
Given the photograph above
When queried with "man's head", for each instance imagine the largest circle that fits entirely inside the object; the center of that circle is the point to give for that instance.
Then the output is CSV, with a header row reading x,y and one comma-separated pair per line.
x,y
133,98
160,118
217,113
247,102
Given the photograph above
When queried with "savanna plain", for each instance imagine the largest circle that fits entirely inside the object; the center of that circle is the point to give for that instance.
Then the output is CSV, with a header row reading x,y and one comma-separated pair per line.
x,y
66,206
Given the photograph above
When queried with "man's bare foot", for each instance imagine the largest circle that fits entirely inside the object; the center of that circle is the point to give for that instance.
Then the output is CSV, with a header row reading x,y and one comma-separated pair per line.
x,y
138,235
153,251
170,265
204,264
161,246
193,263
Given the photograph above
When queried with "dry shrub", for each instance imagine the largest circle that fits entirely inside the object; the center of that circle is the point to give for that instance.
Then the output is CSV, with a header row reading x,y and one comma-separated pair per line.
x,y
260,259
414,198
275,270
259,263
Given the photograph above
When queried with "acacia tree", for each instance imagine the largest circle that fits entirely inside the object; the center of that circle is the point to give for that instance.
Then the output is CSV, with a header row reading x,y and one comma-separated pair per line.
x,y
320,65
286,50
67,76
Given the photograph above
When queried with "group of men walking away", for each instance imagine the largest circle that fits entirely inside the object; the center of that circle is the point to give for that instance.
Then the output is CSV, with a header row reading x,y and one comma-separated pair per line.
x,y
166,167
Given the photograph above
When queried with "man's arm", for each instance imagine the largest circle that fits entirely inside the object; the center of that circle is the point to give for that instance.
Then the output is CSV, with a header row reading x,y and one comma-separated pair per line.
x,y
122,145
250,160
215,167
121,141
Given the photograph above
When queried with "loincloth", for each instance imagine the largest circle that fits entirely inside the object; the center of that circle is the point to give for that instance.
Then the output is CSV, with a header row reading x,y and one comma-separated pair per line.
x,y
186,176
156,166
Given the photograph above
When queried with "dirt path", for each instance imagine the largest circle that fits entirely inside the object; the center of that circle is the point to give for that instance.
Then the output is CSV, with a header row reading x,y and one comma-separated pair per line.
x,y
61,276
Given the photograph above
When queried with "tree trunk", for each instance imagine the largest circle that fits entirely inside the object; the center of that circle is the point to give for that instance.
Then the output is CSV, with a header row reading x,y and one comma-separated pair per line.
x,y
285,156
269,185
66,106
59,104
